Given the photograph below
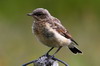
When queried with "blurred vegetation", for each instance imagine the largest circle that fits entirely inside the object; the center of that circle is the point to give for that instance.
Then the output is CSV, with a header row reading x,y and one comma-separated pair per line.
x,y
18,45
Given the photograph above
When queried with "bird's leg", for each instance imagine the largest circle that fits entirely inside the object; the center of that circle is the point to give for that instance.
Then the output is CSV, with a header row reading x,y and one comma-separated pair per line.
x,y
49,51
57,51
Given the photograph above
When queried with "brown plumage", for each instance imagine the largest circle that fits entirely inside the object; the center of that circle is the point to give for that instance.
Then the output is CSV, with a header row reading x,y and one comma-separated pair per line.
x,y
51,32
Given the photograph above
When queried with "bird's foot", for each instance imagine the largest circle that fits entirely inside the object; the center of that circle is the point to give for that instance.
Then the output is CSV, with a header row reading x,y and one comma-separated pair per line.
x,y
46,55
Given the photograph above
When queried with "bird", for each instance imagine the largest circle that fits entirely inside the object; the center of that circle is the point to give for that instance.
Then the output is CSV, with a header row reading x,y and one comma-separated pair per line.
x,y
50,32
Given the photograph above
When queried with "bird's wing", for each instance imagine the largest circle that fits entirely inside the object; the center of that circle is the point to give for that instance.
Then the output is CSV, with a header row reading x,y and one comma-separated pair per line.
x,y
61,30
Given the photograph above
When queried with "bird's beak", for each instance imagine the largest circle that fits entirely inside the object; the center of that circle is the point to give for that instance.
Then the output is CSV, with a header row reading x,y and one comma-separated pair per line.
x,y
30,14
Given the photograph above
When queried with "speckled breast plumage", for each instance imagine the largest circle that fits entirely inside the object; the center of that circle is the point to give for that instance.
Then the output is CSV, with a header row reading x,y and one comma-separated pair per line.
x,y
46,35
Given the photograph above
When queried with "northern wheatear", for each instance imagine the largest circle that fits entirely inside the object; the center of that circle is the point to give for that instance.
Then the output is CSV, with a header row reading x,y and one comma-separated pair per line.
x,y
51,32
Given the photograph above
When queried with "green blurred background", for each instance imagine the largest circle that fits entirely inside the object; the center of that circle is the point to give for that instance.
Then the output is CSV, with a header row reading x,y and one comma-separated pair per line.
x,y
18,45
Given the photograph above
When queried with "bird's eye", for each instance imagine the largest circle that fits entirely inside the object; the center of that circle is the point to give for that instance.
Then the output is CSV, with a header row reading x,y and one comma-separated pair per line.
x,y
38,14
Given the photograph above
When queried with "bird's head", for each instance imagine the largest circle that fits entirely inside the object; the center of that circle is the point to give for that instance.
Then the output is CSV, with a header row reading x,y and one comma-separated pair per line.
x,y
40,14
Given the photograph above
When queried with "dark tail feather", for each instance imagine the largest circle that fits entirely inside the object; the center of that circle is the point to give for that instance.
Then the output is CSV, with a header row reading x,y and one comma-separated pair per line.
x,y
75,50
74,41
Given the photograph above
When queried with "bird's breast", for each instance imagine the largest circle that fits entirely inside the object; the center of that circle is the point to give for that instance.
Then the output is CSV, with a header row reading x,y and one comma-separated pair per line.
x,y
49,36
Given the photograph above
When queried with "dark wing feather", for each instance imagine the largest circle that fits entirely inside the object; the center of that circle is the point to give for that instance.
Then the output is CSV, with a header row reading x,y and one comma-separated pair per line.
x,y
59,28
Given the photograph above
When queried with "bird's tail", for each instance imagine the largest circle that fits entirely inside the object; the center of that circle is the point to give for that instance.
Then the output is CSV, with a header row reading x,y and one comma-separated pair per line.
x,y
74,49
